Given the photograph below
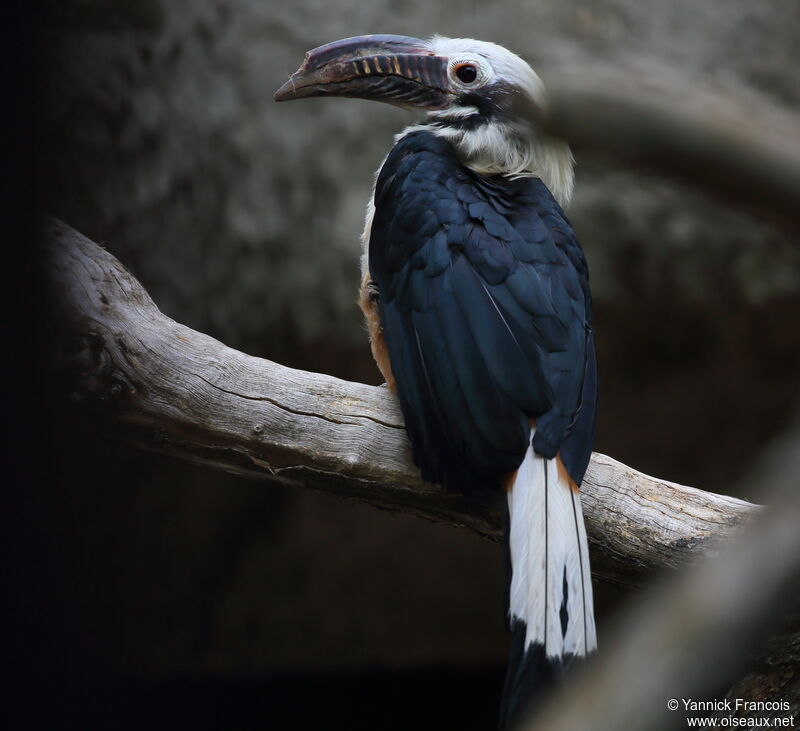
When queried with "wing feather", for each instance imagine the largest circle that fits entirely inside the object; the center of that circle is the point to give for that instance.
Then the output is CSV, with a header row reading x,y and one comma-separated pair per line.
x,y
485,309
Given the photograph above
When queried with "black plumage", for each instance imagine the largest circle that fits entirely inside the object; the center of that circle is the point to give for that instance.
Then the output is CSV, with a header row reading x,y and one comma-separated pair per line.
x,y
483,318
485,306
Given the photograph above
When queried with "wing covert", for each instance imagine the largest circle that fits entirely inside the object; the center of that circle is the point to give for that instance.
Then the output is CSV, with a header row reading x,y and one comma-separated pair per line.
x,y
484,313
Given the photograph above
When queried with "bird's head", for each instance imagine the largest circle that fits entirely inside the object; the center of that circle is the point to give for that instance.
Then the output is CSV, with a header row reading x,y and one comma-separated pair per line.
x,y
478,95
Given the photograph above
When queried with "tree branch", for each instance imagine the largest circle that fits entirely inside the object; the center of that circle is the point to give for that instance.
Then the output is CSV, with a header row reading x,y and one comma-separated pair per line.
x,y
170,389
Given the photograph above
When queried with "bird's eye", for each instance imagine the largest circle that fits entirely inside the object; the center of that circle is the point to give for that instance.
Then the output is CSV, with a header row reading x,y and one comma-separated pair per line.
x,y
467,73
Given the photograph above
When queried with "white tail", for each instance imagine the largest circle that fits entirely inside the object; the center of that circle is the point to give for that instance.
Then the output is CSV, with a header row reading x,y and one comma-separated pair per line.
x,y
551,588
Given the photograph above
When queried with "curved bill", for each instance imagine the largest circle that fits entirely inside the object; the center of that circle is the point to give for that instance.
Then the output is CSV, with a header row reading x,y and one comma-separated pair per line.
x,y
395,69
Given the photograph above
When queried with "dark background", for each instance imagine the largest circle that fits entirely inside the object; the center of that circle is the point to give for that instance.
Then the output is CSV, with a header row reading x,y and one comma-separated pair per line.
x,y
146,592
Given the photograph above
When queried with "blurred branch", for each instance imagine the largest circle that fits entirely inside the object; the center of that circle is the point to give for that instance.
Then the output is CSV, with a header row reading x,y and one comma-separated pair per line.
x,y
694,636
170,389
749,155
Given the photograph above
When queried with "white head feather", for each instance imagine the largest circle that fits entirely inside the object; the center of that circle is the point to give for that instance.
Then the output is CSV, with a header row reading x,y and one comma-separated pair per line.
x,y
503,146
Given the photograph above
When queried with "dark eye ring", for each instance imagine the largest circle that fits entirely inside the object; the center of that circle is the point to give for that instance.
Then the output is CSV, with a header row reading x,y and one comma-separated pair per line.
x,y
467,73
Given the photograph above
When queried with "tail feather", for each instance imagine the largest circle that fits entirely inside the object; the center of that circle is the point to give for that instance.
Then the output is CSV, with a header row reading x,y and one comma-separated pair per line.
x,y
550,592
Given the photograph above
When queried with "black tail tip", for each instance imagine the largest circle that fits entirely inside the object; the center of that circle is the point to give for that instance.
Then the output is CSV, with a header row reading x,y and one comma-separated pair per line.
x,y
530,676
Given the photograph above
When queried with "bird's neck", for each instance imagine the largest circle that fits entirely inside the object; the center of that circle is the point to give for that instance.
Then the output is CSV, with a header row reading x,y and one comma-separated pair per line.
x,y
501,148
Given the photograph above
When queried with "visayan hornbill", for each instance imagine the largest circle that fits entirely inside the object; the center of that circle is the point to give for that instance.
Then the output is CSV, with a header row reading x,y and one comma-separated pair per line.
x,y
476,295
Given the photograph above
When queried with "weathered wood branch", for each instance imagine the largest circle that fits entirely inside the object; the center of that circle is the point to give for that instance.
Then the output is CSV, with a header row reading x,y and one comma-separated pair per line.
x,y
170,389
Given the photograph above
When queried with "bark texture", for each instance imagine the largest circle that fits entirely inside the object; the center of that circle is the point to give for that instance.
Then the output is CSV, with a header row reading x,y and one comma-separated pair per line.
x,y
170,389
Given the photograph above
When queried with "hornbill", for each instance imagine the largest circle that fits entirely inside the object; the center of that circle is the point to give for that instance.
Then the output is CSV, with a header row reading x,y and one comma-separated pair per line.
x,y
476,296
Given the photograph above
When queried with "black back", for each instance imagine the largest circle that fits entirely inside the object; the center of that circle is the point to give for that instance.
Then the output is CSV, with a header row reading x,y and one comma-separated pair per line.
x,y
486,312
